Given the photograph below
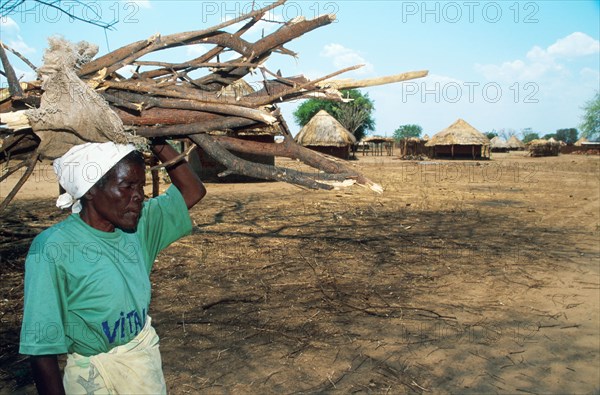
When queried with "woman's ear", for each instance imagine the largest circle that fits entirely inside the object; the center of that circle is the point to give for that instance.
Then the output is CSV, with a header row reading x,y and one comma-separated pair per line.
x,y
89,195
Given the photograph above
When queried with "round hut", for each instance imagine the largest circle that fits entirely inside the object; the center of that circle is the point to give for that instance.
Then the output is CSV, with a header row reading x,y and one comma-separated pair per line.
x,y
497,144
460,140
323,133
514,144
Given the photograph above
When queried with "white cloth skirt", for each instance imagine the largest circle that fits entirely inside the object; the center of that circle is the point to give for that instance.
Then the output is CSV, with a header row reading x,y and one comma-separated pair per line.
x,y
133,368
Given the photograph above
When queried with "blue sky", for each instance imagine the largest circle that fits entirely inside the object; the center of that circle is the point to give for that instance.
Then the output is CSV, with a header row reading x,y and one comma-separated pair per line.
x,y
496,64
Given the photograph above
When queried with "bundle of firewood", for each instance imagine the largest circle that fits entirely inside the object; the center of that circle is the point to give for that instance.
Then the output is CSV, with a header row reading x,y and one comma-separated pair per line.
x,y
163,99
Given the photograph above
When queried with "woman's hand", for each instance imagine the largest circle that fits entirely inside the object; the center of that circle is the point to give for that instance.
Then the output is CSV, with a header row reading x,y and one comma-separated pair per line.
x,y
180,172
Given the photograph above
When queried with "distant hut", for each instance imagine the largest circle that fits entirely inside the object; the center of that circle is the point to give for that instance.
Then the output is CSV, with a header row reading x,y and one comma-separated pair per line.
x,y
460,140
514,144
542,147
377,145
497,144
413,147
579,142
323,133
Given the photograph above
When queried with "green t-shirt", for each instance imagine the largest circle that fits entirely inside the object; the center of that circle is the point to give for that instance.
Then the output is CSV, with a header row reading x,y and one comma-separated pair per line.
x,y
87,291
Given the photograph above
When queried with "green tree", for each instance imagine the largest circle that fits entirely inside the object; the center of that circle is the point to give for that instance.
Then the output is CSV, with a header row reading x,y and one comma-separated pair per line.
x,y
406,131
530,136
569,136
356,115
549,136
590,127
491,135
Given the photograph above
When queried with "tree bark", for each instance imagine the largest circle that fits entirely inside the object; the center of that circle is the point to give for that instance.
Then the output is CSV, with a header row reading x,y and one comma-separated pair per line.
x,y
266,172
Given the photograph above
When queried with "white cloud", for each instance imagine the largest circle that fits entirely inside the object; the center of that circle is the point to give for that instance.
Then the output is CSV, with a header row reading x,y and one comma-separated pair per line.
x,y
574,45
540,62
518,70
19,45
537,54
343,57
590,74
7,24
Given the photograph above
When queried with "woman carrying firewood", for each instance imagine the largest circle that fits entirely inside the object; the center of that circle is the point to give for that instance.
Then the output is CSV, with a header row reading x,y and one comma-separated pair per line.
x,y
87,286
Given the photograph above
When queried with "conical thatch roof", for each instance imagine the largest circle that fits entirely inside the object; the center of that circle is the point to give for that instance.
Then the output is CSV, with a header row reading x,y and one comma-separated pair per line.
x,y
459,133
498,143
581,140
325,131
514,143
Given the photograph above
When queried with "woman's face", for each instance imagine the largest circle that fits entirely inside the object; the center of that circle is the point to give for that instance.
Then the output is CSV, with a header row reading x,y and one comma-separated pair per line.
x,y
119,201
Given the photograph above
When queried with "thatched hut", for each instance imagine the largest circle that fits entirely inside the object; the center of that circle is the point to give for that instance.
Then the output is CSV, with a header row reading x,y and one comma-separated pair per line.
x,y
497,144
514,144
377,145
413,147
581,140
323,133
460,140
541,147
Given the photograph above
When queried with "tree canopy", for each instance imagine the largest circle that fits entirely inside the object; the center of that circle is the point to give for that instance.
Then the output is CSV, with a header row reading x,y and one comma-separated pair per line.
x,y
491,135
356,116
530,136
590,126
569,136
406,131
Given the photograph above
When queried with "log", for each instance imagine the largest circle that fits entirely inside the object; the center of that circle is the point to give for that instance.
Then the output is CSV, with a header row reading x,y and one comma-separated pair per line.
x,y
290,149
353,84
266,172
221,124
218,108
19,55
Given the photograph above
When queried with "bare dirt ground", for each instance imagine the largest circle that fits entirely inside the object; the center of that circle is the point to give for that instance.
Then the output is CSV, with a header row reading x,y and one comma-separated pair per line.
x,y
463,277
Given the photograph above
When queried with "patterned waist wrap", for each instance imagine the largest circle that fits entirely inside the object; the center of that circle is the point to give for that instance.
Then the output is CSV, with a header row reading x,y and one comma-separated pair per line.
x,y
133,368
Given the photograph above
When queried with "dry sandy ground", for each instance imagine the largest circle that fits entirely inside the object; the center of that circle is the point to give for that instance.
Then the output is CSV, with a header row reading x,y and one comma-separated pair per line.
x,y
463,277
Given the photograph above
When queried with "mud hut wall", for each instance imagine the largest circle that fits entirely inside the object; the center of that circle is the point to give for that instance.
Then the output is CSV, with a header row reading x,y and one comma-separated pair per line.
x,y
208,169
460,151
338,152
499,149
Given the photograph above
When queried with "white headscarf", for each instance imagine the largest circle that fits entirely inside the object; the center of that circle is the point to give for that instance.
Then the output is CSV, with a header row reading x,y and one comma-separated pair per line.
x,y
82,166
